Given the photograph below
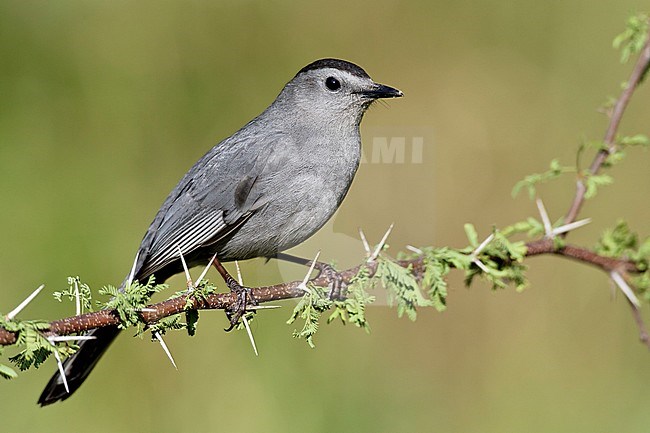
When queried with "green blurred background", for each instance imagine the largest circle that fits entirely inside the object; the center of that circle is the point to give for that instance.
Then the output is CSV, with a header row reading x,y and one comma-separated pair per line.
x,y
104,105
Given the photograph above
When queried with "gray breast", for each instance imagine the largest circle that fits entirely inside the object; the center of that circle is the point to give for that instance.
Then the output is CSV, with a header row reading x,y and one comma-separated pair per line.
x,y
301,190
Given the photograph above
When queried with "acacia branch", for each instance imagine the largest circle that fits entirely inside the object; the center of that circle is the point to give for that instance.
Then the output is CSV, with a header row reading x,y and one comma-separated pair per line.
x,y
638,74
290,290
640,69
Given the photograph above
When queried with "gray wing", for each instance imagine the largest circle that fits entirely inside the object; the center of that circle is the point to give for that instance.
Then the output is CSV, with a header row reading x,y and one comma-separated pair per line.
x,y
218,194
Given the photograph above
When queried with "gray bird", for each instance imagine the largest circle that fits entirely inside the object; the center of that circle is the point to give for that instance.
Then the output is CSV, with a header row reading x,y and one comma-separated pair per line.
x,y
268,187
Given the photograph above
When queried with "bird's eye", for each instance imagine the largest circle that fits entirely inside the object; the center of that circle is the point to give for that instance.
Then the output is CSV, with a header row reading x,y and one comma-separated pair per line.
x,y
333,84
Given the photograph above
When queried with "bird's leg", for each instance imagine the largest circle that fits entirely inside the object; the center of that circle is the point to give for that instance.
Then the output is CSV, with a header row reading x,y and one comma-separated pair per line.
x,y
244,297
337,287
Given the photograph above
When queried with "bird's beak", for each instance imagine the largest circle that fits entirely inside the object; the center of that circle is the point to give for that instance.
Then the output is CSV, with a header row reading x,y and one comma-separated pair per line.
x,y
382,91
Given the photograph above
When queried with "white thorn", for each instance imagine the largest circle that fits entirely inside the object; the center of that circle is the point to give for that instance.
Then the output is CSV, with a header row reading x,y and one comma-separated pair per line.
x,y
481,247
414,249
480,264
374,255
548,227
190,285
77,298
13,313
55,338
205,271
61,369
625,288
164,347
244,319
474,255
250,334
303,285
239,278
129,281
571,226
365,241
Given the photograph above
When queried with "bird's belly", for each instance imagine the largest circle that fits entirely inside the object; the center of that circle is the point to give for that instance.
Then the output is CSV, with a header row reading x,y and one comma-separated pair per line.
x,y
288,220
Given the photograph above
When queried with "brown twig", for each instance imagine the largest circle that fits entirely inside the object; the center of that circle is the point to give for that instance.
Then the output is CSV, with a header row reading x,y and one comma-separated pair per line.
x,y
546,246
640,68
621,104
289,290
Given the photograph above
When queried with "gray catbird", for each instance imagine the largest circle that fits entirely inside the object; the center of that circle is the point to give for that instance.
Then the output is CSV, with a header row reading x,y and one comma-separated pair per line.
x,y
268,187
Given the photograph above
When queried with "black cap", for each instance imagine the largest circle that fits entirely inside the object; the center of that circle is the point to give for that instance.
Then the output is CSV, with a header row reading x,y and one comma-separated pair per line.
x,y
335,64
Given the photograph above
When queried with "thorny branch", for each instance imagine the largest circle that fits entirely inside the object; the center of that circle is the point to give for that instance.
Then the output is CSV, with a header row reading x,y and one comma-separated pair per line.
x,y
616,115
638,73
155,312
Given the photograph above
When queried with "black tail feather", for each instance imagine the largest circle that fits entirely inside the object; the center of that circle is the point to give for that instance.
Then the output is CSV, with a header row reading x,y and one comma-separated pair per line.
x,y
78,366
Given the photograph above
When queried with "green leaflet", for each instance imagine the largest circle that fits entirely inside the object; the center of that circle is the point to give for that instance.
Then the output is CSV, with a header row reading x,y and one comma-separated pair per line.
x,y
353,308
403,288
128,302
309,308
7,372
631,41
36,348
77,287
531,181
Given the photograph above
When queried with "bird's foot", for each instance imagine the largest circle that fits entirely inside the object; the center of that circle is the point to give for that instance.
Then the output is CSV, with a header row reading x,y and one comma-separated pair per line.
x,y
237,309
337,286
243,296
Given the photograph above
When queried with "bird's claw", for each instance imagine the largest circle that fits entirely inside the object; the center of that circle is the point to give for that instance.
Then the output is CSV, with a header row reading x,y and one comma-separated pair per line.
x,y
243,295
338,288
237,309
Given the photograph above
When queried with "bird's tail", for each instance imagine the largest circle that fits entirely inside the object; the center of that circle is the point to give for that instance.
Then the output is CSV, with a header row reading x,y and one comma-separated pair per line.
x,y
81,363
78,366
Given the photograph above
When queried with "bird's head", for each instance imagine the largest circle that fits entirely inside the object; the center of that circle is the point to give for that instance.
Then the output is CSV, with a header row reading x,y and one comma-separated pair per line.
x,y
331,89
